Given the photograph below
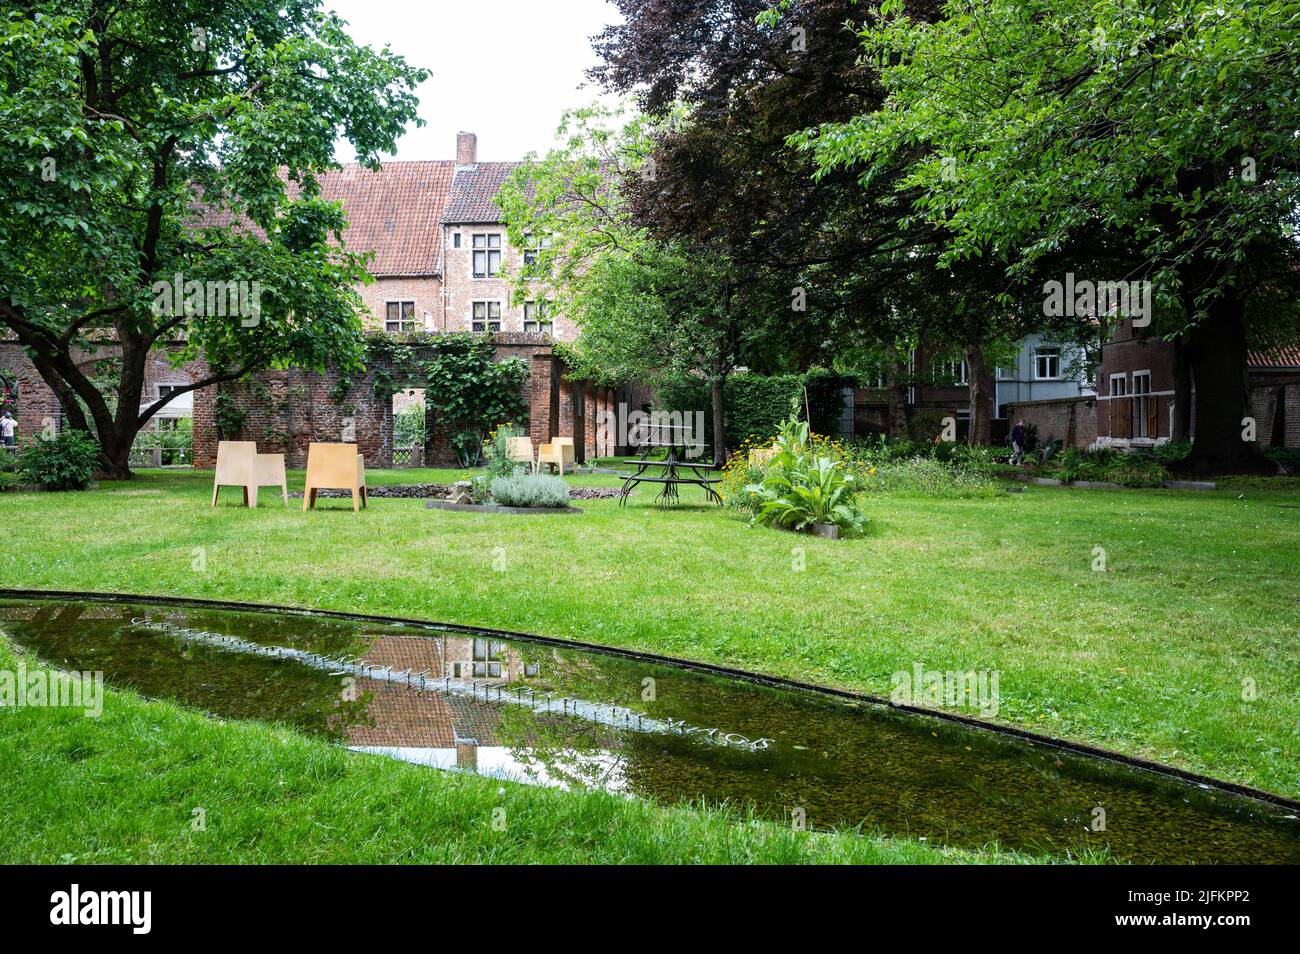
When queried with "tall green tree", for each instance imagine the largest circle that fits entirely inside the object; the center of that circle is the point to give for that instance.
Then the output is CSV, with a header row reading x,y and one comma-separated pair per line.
x,y
1063,130
644,307
161,155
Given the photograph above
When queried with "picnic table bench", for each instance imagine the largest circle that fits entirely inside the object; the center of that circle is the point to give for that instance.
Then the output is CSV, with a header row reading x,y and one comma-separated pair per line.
x,y
673,471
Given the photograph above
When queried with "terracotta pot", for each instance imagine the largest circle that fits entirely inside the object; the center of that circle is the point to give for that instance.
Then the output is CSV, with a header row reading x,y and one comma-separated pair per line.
x,y
828,530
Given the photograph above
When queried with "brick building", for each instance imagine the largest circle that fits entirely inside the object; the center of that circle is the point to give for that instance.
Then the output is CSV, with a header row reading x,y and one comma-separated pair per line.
x,y
1145,398
440,264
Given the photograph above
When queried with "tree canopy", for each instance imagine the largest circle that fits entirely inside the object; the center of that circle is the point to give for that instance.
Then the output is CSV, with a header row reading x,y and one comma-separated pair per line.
x,y
1152,142
161,150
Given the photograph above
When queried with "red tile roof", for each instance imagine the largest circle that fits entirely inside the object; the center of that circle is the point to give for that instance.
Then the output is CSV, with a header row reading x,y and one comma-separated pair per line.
x,y
473,190
1278,358
396,211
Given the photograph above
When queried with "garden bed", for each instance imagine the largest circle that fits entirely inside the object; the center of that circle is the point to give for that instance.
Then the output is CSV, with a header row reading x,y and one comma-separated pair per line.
x,y
1108,485
438,491
495,508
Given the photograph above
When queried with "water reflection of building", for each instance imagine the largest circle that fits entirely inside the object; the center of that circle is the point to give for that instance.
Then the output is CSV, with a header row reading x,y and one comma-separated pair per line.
x,y
432,728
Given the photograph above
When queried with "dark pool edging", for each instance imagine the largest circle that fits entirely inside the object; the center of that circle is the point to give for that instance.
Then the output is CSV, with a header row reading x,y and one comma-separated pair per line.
x,y
1078,748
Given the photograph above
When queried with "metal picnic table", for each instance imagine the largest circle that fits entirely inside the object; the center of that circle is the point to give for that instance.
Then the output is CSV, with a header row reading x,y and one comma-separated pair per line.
x,y
676,469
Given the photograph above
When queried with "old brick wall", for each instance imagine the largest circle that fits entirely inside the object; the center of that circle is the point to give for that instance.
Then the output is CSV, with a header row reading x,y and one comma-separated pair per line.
x,y
37,405
285,411
1073,421
1275,405
39,409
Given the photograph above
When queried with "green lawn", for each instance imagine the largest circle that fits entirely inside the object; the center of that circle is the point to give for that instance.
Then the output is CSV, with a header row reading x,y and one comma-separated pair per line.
x,y
1200,592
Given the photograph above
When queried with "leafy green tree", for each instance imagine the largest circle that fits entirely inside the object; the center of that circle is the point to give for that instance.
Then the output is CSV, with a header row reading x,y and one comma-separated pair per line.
x,y
1158,139
644,308
161,156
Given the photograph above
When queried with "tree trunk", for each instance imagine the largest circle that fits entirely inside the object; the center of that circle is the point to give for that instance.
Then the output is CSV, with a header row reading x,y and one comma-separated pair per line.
x,y
1180,428
897,394
1216,351
981,396
719,422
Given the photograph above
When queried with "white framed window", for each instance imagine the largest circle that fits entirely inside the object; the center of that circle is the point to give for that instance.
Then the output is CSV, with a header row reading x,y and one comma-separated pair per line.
x,y
533,248
486,254
537,316
485,316
455,240
400,316
168,390
1047,364
488,656
1141,403
1119,385
951,372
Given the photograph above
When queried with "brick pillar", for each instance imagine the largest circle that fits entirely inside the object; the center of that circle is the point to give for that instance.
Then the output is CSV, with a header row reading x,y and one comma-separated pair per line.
x,y
205,426
592,416
539,407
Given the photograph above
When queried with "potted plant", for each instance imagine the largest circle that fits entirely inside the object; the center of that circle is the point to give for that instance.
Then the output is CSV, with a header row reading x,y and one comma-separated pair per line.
x,y
806,490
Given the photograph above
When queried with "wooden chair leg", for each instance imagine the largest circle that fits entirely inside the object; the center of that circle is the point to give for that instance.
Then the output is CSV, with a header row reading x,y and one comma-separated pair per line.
x,y
284,492
216,488
308,499
356,500
251,493
365,497
245,495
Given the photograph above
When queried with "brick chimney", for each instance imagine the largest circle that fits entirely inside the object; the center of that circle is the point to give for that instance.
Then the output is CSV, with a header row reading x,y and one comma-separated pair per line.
x,y
466,149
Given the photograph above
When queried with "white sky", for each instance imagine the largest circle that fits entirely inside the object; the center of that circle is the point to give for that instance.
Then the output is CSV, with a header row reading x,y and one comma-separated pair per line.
x,y
504,69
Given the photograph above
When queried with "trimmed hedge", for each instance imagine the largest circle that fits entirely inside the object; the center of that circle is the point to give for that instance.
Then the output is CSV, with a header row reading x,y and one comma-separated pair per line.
x,y
757,404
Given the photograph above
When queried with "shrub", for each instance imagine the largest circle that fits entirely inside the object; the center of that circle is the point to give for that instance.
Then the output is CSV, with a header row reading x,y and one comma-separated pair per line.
x,y
929,477
745,469
757,404
65,462
926,425
496,451
1287,458
1171,452
1107,465
805,486
530,490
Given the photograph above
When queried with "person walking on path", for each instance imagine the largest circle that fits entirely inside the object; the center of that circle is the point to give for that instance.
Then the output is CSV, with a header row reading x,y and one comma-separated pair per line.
x,y
1018,442
7,428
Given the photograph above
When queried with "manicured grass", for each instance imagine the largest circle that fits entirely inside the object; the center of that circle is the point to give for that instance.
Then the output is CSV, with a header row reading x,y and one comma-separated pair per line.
x,y
125,787
1200,591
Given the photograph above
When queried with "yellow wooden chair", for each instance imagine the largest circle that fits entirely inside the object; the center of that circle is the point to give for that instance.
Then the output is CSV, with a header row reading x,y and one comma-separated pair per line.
x,y
520,451
240,465
335,467
558,453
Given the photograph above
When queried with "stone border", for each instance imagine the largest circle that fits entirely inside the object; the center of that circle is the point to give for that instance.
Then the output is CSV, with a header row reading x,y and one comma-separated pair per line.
x,y
494,508
1106,485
